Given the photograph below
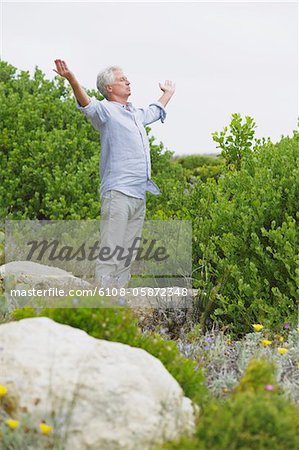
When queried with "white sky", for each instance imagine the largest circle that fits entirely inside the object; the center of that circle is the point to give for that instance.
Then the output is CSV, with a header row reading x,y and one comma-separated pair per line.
x,y
224,57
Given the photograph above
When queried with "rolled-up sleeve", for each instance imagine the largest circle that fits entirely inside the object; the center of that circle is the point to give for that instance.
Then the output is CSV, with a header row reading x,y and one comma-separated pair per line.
x,y
95,111
155,111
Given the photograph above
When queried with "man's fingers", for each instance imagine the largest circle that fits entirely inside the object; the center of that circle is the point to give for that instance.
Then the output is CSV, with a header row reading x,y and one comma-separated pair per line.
x,y
60,64
167,86
64,65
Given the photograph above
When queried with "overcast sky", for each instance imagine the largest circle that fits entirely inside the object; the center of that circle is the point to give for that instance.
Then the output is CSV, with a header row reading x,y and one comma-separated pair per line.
x,y
225,57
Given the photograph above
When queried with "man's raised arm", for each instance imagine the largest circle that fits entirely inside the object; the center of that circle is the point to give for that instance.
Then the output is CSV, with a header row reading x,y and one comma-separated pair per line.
x,y
63,70
168,89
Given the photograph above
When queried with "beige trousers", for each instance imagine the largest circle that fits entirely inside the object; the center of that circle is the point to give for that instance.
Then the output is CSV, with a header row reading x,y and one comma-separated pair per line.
x,y
122,219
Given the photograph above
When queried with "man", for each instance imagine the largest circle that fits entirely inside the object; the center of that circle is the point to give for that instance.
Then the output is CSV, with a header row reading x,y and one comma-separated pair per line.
x,y
125,166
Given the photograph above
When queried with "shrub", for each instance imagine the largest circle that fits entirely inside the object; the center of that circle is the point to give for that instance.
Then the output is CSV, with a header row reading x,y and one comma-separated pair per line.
x,y
50,153
252,418
259,373
202,166
247,420
225,361
245,236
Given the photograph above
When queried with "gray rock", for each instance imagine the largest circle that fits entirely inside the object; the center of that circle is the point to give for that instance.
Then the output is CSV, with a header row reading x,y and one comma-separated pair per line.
x,y
104,395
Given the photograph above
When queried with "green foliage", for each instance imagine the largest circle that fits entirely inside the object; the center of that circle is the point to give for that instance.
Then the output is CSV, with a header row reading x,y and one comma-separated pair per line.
x,y
259,373
246,421
194,161
238,144
171,179
120,325
50,152
246,239
208,171
252,418
202,166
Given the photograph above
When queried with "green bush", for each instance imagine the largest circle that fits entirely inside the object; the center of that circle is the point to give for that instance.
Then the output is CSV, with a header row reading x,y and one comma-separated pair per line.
x,y
171,179
49,165
245,239
238,145
194,161
252,418
120,325
202,166
49,153
259,373
251,421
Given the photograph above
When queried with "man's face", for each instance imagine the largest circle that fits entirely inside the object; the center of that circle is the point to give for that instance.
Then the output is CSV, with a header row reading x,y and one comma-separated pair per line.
x,y
121,86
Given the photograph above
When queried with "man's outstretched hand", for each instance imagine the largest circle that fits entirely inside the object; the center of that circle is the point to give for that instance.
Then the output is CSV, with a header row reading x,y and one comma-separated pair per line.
x,y
63,70
168,87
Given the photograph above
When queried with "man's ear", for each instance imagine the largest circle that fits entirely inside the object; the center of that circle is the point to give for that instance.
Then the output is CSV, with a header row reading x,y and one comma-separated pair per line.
x,y
109,88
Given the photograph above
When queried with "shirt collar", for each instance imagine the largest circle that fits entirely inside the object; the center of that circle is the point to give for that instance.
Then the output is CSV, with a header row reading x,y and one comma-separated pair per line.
x,y
121,104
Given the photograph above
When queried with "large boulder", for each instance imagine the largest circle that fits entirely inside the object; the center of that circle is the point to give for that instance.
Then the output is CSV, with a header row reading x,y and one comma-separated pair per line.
x,y
103,395
40,275
25,275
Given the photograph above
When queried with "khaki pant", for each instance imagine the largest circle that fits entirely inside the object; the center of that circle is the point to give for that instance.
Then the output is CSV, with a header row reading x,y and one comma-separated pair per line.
x,y
122,219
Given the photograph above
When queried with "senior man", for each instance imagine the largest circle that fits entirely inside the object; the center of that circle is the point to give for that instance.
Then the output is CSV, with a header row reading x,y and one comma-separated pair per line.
x,y
125,166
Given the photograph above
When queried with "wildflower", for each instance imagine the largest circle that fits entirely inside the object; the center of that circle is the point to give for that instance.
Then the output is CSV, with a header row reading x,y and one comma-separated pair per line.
x,y
12,423
44,428
3,390
281,338
297,366
257,327
269,387
297,329
225,390
265,342
282,350
286,326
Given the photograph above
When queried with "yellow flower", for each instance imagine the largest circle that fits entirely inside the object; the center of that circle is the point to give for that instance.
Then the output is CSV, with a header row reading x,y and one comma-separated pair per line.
x,y
12,423
282,350
297,366
265,342
44,428
297,329
3,390
257,327
281,338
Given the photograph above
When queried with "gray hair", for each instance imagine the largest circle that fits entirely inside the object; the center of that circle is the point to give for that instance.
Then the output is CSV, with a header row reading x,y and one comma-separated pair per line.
x,y
105,77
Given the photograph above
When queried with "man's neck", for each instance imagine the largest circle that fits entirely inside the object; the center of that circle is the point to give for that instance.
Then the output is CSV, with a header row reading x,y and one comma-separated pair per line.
x,y
114,98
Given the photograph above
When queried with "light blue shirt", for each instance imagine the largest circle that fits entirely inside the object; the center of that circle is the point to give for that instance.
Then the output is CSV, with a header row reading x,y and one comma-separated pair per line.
x,y
125,163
